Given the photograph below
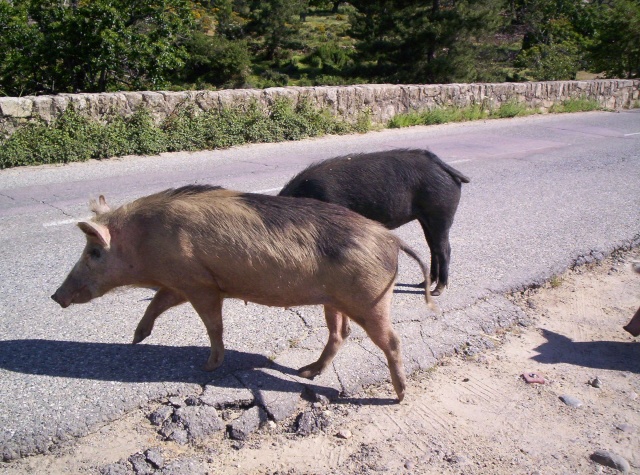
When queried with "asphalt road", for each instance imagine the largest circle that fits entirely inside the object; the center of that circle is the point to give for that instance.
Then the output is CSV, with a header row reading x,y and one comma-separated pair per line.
x,y
546,191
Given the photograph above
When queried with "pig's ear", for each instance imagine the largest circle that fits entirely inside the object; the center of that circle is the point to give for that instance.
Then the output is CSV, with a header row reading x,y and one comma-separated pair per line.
x,y
96,232
100,206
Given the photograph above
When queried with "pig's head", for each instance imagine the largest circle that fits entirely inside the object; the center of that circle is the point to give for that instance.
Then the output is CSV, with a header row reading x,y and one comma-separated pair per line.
x,y
96,272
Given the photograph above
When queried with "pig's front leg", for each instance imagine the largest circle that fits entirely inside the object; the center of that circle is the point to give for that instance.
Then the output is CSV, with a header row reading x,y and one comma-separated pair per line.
x,y
208,304
163,300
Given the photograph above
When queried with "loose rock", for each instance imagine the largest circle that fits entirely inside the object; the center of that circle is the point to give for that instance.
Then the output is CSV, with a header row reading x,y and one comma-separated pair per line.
x,y
595,382
247,423
344,434
179,436
311,421
176,402
199,421
160,415
140,465
192,401
571,401
118,468
154,457
609,459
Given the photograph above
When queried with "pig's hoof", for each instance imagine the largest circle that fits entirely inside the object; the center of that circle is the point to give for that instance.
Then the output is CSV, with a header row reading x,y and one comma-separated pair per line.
x,y
309,371
628,329
140,334
212,365
438,290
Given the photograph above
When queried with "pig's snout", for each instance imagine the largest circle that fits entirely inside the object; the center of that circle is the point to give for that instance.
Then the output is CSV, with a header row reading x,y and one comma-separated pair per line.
x,y
65,296
57,299
633,326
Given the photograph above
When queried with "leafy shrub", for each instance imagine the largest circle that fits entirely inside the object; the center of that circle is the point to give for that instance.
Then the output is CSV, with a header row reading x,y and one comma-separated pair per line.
x,y
216,60
73,137
330,58
555,62
511,108
581,104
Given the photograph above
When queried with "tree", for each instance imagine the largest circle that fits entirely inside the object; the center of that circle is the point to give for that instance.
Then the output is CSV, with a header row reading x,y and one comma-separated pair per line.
x,y
556,37
98,45
616,46
19,75
277,22
216,60
418,41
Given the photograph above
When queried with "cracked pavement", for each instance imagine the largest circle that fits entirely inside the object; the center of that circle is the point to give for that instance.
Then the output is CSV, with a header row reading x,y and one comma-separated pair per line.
x,y
547,192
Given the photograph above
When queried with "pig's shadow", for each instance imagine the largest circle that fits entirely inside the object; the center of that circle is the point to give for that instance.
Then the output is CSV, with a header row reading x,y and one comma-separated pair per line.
x,y
146,363
419,289
612,355
141,363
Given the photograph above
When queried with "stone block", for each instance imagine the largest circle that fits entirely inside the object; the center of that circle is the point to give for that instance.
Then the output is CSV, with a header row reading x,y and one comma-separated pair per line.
x,y
16,106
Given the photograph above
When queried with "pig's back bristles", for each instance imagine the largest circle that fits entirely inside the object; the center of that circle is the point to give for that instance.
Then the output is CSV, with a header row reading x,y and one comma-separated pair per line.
x,y
293,232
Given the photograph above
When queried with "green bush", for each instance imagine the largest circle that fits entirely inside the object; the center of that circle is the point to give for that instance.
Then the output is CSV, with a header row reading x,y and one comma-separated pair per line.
x,y
581,104
73,137
511,108
439,116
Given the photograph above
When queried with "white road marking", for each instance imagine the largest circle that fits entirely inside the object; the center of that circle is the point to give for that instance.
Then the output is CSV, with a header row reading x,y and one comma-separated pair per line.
x,y
635,133
65,221
462,160
267,190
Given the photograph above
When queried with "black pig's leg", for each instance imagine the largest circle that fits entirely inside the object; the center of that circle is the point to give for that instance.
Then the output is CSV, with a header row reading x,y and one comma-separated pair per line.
x,y
434,258
163,300
437,232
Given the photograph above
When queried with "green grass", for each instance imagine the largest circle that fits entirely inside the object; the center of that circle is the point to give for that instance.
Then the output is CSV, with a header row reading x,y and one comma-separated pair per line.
x,y
510,109
576,105
507,109
438,116
74,138
459,114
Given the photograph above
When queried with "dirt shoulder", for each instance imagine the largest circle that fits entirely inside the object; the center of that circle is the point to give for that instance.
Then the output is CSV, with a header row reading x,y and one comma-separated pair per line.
x,y
471,414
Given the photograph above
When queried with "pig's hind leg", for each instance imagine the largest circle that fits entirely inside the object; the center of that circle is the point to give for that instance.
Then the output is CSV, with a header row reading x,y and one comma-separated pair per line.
x,y
377,324
163,300
436,232
339,330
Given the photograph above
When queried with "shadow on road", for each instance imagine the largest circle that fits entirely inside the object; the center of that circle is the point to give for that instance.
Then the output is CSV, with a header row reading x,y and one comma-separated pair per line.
x,y
155,363
419,289
123,362
614,355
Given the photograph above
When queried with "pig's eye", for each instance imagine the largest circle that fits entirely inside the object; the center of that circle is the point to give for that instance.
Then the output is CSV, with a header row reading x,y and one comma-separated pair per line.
x,y
95,253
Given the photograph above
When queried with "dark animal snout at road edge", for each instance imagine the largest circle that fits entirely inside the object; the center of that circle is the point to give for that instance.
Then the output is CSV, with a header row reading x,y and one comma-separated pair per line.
x,y
633,326
392,187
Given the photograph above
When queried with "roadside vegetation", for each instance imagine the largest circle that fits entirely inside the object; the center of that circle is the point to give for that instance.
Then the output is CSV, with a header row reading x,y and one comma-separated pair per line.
x,y
74,138
483,111
70,46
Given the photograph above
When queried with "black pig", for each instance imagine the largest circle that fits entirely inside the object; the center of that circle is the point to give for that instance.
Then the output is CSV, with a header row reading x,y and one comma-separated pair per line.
x,y
392,187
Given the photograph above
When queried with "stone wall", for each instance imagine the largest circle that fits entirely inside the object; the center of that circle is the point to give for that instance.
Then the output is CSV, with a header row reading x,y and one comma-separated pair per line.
x,y
382,100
